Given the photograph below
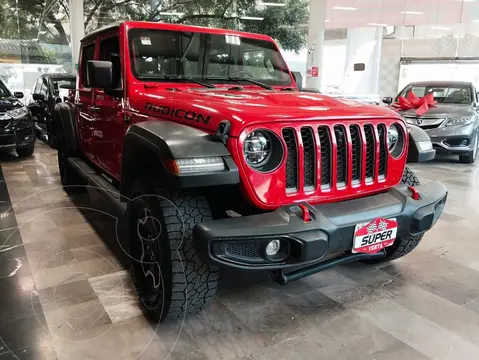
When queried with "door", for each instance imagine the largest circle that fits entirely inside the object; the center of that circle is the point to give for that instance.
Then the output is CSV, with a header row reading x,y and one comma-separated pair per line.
x,y
84,102
110,127
38,106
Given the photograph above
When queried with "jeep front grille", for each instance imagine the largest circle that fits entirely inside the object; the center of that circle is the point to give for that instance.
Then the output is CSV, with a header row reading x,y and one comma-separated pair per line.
x,y
351,154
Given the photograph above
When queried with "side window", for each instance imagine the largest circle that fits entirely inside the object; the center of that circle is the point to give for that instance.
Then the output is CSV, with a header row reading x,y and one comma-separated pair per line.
x,y
44,89
110,51
88,53
36,88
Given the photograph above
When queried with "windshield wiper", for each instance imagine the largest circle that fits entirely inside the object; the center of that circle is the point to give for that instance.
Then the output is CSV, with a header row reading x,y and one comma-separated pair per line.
x,y
239,79
175,78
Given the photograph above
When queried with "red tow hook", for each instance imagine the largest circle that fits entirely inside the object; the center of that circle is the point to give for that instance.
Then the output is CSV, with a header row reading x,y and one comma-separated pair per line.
x,y
305,210
414,193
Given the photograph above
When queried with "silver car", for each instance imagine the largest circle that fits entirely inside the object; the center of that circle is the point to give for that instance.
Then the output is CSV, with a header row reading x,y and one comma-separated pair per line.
x,y
453,123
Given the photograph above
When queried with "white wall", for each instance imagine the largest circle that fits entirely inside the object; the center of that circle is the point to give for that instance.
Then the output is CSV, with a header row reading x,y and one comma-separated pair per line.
x,y
333,63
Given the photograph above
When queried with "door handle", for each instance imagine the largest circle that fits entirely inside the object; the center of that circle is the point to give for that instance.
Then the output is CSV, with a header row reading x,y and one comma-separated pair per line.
x,y
94,108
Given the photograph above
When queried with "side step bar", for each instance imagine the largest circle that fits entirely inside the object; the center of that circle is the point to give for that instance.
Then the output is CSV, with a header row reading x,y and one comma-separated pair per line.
x,y
97,181
282,278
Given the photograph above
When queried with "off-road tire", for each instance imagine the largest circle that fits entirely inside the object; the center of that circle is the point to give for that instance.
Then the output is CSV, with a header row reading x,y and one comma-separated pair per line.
x,y
71,181
404,246
189,284
26,151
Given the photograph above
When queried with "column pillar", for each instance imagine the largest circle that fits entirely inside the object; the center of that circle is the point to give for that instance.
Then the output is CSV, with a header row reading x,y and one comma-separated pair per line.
x,y
363,46
77,29
314,65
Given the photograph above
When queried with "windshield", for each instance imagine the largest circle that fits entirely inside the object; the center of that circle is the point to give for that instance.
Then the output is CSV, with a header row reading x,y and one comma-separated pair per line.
x,y
445,94
157,54
4,92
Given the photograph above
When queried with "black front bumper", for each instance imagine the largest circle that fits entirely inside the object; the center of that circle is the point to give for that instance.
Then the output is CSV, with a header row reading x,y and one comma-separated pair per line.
x,y
17,134
241,242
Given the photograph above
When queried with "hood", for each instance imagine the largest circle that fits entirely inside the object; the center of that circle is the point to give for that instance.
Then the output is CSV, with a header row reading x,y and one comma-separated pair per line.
x,y
442,111
8,103
207,108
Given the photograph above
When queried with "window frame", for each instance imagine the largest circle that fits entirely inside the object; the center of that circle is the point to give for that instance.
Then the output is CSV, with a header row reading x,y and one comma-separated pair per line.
x,y
82,66
106,37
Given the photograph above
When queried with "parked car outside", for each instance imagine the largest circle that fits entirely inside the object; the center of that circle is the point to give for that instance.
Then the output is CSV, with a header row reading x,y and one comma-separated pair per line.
x,y
453,123
16,123
49,90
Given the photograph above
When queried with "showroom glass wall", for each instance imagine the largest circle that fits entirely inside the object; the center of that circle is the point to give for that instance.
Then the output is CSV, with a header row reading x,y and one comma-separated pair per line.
x,y
34,39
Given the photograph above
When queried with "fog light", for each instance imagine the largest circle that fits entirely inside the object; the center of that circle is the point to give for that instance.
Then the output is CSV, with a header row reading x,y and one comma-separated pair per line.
x,y
273,248
27,137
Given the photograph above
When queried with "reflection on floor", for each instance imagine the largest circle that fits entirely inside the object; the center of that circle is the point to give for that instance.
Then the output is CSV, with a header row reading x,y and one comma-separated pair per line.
x,y
65,293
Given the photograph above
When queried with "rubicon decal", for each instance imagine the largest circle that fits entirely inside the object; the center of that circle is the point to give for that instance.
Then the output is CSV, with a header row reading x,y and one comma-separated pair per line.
x,y
374,236
179,113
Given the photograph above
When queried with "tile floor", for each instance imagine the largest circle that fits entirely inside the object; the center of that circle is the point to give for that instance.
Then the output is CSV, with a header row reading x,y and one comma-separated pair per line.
x,y
65,293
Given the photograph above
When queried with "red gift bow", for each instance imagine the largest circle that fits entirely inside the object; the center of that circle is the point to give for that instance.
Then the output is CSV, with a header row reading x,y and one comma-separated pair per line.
x,y
413,102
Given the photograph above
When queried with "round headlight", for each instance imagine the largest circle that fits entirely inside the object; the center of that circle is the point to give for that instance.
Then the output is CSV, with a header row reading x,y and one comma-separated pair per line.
x,y
393,137
396,140
257,147
263,150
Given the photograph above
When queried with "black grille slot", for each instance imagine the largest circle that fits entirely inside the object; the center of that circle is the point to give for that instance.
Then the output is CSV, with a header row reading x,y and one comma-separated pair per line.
x,y
325,143
341,154
309,157
356,150
382,150
292,159
243,250
370,151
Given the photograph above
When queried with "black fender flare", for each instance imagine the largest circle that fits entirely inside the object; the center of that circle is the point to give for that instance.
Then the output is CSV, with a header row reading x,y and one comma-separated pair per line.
x,y
159,141
65,126
417,138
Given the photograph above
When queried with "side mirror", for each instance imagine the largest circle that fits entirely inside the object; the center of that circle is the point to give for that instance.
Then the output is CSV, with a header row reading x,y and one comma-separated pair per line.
x,y
387,100
18,94
298,79
99,74
38,97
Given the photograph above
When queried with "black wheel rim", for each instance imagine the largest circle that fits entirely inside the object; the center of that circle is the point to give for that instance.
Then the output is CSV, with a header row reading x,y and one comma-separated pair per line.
x,y
146,257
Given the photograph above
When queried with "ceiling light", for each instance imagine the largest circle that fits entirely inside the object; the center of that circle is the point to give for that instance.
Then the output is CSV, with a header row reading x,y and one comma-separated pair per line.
x,y
345,8
251,18
271,4
440,28
327,20
171,14
377,24
407,12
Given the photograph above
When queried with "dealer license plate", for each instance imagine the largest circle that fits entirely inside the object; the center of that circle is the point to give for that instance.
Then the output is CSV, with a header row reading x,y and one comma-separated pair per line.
x,y
374,236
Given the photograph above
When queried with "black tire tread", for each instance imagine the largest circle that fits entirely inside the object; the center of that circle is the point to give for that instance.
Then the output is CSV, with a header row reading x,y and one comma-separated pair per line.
x,y
26,151
404,246
193,282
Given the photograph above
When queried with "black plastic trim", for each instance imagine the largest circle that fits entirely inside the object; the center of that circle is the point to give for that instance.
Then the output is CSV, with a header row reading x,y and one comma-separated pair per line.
x,y
330,230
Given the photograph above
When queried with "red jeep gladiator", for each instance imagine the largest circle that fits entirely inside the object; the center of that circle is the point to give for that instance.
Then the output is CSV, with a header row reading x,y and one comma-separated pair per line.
x,y
205,138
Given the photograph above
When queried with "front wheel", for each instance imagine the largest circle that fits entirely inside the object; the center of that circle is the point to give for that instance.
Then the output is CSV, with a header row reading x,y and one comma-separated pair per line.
x,y
170,279
71,181
26,151
403,246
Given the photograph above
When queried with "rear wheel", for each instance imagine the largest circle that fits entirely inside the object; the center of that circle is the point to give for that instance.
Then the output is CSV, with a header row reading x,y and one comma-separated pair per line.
x,y
71,181
170,279
403,246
